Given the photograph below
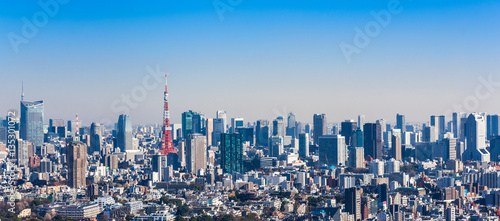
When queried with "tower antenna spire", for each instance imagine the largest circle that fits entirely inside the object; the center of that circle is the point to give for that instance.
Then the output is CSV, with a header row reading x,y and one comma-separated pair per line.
x,y
167,145
22,90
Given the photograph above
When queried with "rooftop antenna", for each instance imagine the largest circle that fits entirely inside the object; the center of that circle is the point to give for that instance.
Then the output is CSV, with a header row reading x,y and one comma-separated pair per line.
x,y
22,90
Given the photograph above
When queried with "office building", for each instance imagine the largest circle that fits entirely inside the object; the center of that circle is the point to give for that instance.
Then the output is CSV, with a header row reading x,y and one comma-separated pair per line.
x,y
23,152
401,123
209,129
276,145
278,127
236,122
458,131
356,157
439,124
32,122
304,145
159,164
262,133
396,147
353,202
450,152
319,124
361,121
291,128
218,129
111,161
373,140
196,153
192,122
495,148
76,157
232,153
491,126
95,138
124,133
332,150
222,115
348,128
476,138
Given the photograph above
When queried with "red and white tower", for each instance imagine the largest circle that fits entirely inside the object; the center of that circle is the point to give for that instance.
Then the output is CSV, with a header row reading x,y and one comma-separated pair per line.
x,y
167,145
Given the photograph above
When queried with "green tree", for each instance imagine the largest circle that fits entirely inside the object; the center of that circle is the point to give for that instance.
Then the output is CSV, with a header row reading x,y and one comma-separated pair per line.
x,y
179,218
94,197
183,210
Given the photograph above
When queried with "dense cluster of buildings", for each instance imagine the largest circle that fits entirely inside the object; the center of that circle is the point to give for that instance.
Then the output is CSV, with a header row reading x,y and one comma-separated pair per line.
x,y
270,170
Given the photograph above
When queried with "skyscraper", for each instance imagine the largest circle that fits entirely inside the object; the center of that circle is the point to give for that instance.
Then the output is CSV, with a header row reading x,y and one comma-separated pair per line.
x,y
22,152
373,140
361,121
218,127
332,150
494,148
199,123
356,157
262,133
222,115
491,125
187,123
457,125
439,123
319,124
278,127
396,147
236,122
348,128
304,145
450,148
196,153
232,153
95,138
209,130
159,164
76,157
275,146
124,133
32,122
353,202
450,213
401,123
476,138
291,128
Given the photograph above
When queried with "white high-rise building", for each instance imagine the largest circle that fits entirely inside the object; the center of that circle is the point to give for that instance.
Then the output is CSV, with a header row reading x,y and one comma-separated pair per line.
x,y
476,138
221,114
361,121
196,153
377,167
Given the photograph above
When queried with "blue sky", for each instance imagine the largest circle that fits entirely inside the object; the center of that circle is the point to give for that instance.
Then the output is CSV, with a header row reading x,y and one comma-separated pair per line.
x,y
263,59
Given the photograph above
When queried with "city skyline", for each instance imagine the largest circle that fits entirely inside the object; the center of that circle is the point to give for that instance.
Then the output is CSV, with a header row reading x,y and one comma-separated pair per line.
x,y
262,60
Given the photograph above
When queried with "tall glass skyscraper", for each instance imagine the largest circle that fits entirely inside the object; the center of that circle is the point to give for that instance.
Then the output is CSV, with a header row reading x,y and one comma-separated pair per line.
x,y
95,138
401,122
192,122
232,152
124,133
32,122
